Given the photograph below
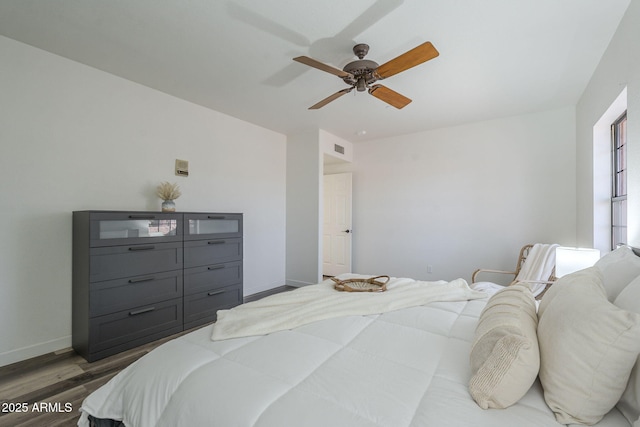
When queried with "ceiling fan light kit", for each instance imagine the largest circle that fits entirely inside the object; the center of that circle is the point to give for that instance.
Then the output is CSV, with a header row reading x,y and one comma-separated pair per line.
x,y
361,74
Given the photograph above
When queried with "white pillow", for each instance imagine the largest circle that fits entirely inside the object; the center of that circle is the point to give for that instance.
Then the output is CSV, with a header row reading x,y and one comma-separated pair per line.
x,y
629,297
504,356
579,276
629,404
619,268
588,347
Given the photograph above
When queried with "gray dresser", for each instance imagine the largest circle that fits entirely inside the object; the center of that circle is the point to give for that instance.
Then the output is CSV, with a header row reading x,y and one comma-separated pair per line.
x,y
141,276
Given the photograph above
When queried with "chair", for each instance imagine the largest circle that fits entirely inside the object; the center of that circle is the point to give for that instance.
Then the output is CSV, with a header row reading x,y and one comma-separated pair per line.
x,y
535,268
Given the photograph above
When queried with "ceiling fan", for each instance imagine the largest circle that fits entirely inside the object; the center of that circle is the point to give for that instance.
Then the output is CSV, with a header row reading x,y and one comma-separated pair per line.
x,y
361,74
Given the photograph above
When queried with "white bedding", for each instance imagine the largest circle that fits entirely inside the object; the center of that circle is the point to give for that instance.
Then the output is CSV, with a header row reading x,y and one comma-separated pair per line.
x,y
407,367
312,303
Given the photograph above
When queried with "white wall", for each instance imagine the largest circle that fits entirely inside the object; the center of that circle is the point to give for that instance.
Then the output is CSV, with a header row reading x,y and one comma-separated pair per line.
x,y
75,138
304,186
329,142
307,153
464,197
618,68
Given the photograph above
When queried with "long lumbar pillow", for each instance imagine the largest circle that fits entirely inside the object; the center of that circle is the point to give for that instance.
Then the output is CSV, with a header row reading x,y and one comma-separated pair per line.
x,y
504,355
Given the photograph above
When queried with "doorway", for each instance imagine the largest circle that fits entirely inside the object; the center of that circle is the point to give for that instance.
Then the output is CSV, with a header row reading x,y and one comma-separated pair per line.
x,y
336,225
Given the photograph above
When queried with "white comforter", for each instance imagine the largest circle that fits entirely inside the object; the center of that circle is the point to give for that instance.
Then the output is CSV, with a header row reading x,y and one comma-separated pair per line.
x,y
312,303
407,367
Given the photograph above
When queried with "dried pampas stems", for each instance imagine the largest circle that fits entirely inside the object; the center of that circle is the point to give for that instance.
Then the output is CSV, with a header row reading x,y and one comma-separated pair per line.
x,y
168,191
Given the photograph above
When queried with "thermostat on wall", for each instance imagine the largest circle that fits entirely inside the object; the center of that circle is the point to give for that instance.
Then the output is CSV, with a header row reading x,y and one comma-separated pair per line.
x,y
182,167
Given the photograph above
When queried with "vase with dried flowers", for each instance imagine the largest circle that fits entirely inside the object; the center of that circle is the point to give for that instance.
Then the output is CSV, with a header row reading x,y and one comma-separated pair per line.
x,y
168,192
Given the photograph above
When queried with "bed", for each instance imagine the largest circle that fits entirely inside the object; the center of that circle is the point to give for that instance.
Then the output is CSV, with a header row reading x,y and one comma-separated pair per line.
x,y
429,362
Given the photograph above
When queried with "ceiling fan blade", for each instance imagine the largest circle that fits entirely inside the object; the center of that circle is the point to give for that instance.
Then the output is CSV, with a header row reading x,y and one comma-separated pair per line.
x,y
409,59
321,66
330,98
389,96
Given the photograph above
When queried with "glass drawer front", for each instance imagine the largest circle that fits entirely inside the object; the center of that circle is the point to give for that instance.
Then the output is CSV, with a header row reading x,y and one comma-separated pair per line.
x,y
213,226
110,229
127,229
201,226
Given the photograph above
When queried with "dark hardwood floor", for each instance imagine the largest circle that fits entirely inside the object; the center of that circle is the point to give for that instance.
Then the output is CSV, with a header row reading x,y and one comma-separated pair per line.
x,y
48,390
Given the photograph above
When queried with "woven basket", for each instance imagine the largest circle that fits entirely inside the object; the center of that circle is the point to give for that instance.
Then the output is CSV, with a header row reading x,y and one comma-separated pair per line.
x,y
372,284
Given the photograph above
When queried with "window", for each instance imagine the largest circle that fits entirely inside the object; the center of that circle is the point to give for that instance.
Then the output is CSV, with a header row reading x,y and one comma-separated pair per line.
x,y
619,181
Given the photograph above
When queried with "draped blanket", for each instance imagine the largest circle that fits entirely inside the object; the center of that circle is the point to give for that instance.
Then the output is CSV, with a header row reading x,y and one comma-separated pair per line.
x,y
538,267
318,302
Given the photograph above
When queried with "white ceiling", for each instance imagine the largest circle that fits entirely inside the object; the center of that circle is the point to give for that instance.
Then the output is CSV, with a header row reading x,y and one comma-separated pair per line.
x,y
497,57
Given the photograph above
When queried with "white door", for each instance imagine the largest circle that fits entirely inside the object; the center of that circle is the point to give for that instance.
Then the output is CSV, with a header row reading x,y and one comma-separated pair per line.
x,y
336,230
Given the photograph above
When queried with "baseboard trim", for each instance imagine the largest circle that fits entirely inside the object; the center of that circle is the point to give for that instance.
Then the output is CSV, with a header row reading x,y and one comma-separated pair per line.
x,y
298,283
29,352
262,294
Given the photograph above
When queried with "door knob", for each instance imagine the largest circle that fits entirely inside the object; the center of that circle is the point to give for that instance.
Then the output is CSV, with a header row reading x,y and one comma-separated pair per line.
x,y
347,231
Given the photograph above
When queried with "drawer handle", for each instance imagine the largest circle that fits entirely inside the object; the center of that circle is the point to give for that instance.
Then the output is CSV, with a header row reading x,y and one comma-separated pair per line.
x,y
142,279
216,242
142,248
142,216
212,293
215,267
216,217
142,310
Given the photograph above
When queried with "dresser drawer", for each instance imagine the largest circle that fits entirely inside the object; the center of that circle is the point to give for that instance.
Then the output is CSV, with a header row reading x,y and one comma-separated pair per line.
x,y
121,294
130,228
133,260
130,325
211,251
199,279
202,307
198,226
